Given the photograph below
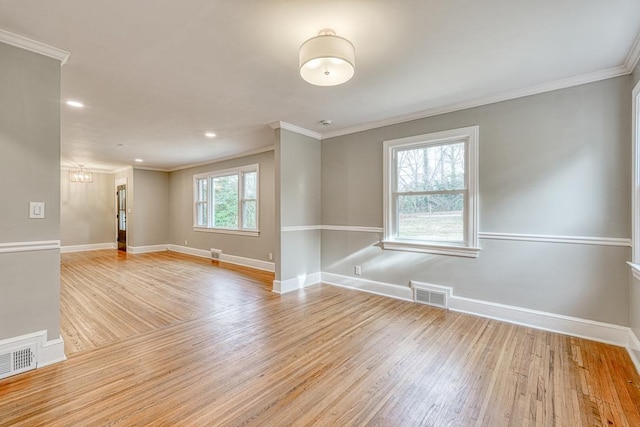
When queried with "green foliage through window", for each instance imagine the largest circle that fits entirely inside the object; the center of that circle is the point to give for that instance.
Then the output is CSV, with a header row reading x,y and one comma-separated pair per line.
x,y
228,200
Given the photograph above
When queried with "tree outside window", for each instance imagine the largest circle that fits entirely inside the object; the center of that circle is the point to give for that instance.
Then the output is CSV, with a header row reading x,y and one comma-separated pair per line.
x,y
227,200
431,193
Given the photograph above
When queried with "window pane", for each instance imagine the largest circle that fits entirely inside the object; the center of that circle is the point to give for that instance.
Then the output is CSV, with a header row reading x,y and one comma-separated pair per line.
x,y
433,217
202,189
250,185
201,215
431,168
122,220
249,214
225,201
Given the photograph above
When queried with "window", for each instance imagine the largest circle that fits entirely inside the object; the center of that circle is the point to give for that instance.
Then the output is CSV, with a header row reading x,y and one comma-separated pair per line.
x,y
431,193
227,201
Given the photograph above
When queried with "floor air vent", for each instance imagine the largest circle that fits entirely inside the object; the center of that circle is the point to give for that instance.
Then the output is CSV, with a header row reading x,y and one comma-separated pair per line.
x,y
429,294
215,253
17,360
437,299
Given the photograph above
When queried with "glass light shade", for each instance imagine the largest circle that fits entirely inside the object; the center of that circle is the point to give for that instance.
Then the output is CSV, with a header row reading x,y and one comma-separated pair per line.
x,y
80,176
327,60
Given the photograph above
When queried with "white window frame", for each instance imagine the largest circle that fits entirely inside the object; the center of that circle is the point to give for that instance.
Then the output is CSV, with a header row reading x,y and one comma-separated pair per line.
x,y
635,185
468,248
240,171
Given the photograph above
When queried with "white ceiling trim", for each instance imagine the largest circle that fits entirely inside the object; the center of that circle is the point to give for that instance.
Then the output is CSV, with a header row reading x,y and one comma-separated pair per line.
x,y
296,129
221,159
69,168
34,46
634,55
491,99
126,168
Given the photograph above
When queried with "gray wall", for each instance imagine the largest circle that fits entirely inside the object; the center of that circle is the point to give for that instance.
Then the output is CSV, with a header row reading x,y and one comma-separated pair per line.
x,y
555,164
181,211
300,203
30,165
636,73
87,211
148,200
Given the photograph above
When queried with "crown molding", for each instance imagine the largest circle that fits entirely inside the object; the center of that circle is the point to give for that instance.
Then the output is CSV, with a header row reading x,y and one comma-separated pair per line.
x,y
486,100
633,56
126,168
149,168
34,46
71,168
222,159
296,129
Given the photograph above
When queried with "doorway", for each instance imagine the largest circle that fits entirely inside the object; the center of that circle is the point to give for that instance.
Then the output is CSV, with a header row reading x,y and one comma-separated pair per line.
x,y
121,195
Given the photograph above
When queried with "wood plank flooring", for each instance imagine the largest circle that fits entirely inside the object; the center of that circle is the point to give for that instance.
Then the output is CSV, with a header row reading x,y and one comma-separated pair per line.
x,y
167,339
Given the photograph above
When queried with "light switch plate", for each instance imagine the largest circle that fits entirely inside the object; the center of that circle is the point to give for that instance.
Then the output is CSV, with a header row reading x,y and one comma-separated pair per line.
x,y
36,210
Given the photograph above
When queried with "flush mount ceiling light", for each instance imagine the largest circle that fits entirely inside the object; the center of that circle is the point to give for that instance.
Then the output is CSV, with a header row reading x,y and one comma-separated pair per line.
x,y
80,175
327,60
75,104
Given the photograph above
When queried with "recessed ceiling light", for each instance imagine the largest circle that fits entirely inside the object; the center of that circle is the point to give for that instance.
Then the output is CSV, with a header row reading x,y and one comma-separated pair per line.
x,y
138,160
75,104
210,134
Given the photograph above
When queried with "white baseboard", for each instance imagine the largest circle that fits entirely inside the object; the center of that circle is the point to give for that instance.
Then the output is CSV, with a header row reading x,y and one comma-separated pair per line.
x,y
231,259
84,248
146,249
370,286
51,352
48,352
202,253
573,326
248,262
302,281
634,349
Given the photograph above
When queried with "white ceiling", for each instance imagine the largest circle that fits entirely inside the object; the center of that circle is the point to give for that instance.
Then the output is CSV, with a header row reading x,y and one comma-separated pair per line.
x,y
156,74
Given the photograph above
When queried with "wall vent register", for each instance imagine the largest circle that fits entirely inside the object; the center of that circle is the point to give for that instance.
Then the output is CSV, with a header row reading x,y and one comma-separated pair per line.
x,y
434,298
17,360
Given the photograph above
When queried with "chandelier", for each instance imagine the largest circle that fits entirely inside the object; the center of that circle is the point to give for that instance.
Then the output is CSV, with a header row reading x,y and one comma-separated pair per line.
x,y
80,175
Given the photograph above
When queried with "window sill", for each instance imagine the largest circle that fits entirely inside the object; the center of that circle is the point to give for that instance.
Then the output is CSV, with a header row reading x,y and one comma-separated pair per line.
x,y
252,233
462,251
635,269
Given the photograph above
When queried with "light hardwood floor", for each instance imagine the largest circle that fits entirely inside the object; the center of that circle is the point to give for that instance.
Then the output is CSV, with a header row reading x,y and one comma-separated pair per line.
x,y
168,339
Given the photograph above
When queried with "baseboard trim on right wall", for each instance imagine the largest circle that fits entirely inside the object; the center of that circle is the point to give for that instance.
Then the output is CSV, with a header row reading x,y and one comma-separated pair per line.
x,y
634,349
608,333
582,328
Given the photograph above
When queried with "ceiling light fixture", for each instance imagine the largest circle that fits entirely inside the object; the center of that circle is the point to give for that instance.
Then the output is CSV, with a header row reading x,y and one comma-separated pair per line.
x,y
80,175
210,134
138,160
327,59
75,104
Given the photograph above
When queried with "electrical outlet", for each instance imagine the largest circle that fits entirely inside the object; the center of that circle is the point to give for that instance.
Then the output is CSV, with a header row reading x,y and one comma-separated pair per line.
x,y
185,242
357,270
270,256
